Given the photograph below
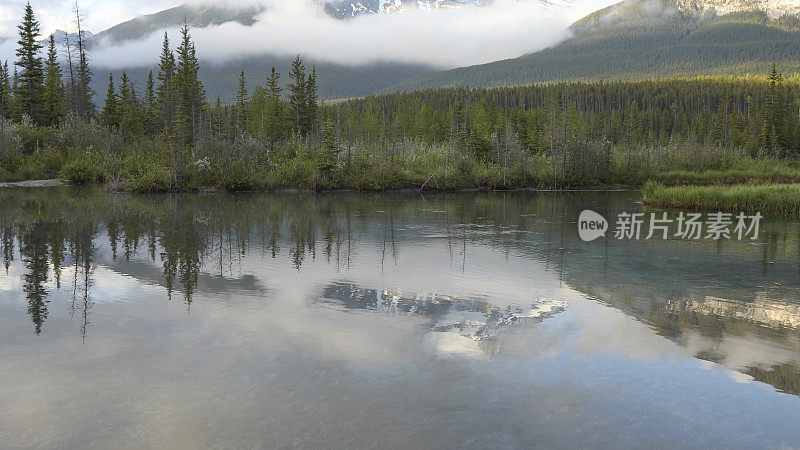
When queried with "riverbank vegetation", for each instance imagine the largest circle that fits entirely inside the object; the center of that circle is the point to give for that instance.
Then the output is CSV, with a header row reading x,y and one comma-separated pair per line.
x,y
781,199
164,133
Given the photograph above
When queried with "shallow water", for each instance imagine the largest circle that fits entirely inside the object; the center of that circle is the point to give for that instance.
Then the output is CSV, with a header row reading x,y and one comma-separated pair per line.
x,y
363,320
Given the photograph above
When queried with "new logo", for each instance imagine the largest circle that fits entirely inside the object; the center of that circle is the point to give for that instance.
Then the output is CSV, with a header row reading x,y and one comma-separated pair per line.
x,y
591,225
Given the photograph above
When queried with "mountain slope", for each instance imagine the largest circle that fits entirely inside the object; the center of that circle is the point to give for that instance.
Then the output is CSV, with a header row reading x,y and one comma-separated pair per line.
x,y
638,39
334,80
196,17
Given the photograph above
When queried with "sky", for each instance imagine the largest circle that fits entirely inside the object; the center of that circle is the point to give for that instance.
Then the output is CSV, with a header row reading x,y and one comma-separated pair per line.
x,y
57,14
444,39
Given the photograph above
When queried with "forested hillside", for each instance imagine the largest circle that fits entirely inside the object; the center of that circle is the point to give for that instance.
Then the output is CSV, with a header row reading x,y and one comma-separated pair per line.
x,y
639,39
335,80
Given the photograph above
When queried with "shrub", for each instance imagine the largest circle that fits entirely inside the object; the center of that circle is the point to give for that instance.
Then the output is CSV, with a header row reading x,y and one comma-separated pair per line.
x,y
82,170
236,175
154,179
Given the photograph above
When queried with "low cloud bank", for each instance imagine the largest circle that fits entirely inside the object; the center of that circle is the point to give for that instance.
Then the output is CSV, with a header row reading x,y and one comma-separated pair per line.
x,y
443,39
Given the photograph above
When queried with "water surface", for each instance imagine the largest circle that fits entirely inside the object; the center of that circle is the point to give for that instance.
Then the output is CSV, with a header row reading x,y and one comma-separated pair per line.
x,y
365,320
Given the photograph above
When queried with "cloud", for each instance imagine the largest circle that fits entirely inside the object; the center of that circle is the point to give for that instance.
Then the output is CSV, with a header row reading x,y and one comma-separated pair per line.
x,y
443,39
57,14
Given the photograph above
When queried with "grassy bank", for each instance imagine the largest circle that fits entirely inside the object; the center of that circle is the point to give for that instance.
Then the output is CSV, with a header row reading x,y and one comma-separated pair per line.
x,y
83,152
783,199
152,168
740,172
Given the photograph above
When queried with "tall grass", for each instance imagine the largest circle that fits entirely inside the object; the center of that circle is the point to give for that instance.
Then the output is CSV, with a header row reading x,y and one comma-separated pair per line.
x,y
81,151
780,199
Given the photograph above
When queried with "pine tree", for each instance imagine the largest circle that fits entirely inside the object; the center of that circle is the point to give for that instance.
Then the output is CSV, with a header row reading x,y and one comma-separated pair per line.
x,y
297,95
53,87
109,115
166,87
241,103
29,92
5,92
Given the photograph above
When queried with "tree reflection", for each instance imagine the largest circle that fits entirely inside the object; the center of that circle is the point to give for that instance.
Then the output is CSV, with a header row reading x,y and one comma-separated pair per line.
x,y
34,251
714,290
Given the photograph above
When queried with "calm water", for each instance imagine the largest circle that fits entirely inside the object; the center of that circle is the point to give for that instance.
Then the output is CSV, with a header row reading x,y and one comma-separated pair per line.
x,y
348,320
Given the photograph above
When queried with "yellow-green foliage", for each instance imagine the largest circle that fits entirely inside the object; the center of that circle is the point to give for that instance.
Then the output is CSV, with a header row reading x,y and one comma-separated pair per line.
x,y
765,198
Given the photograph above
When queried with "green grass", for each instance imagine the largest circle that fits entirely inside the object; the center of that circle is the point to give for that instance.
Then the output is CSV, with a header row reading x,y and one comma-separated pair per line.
x,y
766,171
779,199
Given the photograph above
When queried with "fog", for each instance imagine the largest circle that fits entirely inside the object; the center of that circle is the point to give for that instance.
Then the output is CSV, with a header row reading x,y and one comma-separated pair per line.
x,y
443,38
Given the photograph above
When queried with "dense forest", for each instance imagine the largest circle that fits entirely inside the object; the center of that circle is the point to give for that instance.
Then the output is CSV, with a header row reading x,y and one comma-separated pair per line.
x,y
167,135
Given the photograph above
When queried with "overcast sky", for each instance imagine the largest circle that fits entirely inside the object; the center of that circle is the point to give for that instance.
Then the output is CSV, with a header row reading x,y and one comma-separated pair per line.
x,y
57,14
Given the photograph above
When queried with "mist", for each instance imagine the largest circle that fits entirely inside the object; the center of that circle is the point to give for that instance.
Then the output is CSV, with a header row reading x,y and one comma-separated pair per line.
x,y
442,39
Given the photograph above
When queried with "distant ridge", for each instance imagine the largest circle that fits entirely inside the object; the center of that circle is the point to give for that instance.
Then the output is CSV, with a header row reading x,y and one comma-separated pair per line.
x,y
638,39
196,17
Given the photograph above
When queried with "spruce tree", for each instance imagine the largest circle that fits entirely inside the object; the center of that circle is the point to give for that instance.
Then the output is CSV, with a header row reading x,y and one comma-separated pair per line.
x,y
15,110
5,92
312,108
53,87
297,95
275,114
166,87
30,89
241,103
190,94
109,115
130,121
150,109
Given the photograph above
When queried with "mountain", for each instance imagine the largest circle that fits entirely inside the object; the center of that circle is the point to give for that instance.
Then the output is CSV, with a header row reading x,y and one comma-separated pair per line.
x,y
195,16
773,8
344,9
347,8
334,80
638,39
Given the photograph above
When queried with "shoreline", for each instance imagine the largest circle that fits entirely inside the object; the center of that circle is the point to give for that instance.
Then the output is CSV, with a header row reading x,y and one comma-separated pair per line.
x,y
54,182
33,183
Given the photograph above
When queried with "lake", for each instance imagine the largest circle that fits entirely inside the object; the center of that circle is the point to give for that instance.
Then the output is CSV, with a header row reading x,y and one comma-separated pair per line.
x,y
387,320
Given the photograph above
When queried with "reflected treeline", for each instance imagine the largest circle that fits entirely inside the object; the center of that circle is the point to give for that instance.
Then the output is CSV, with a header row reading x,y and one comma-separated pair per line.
x,y
701,294
70,228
